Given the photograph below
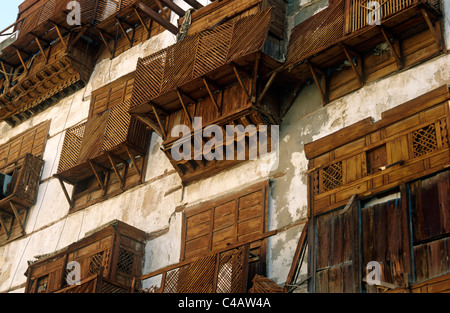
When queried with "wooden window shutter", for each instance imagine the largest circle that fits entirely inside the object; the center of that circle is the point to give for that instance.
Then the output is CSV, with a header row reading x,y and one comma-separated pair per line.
x,y
111,94
32,141
219,223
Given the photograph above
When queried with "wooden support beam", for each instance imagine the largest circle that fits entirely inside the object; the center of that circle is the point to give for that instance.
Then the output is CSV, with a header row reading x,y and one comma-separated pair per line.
x,y
188,115
255,78
78,36
116,171
238,76
123,31
174,7
104,41
291,99
60,35
147,30
41,49
352,64
395,53
437,38
133,161
161,126
5,73
163,12
97,175
195,4
7,230
66,194
321,85
17,216
157,18
266,88
147,121
25,68
208,88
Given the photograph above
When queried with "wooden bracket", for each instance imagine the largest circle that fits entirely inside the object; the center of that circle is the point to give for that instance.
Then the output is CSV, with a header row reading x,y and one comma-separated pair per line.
x,y
238,76
195,4
133,161
157,18
66,194
266,88
188,115
119,23
174,7
7,230
208,88
40,48
116,171
358,72
60,35
17,216
161,126
97,175
322,85
396,53
147,29
437,38
254,90
147,121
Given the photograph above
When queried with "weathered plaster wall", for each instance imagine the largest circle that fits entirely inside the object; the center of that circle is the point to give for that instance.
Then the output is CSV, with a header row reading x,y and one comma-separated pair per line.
x,y
153,205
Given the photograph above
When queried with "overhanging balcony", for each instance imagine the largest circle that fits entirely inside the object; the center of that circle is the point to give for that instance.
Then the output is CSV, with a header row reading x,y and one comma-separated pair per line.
x,y
341,48
224,75
104,143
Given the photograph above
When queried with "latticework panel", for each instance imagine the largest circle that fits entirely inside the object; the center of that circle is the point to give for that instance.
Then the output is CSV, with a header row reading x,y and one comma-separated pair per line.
x,y
125,261
317,32
97,261
424,140
332,176
231,276
223,273
198,54
117,126
212,49
71,147
179,63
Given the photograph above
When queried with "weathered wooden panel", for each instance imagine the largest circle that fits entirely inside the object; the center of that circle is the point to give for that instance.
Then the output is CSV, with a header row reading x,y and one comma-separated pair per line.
x,y
219,223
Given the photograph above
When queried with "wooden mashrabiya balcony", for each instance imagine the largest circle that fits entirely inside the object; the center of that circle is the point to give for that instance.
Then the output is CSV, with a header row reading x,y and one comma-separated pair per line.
x,y
348,44
221,74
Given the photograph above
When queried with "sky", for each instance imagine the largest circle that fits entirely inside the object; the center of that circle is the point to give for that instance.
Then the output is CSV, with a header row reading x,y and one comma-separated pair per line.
x,y
8,12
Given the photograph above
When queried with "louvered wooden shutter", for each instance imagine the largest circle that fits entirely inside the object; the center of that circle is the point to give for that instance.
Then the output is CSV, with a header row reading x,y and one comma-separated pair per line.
x,y
31,141
217,224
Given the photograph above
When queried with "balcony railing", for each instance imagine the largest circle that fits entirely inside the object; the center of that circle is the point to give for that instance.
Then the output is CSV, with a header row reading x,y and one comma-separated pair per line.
x,y
225,271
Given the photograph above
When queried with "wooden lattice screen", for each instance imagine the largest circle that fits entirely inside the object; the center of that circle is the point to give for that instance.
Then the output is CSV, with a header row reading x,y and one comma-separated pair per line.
x,y
32,141
198,54
223,272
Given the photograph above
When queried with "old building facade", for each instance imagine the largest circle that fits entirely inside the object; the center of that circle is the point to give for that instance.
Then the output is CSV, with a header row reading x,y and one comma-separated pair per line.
x,y
119,170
